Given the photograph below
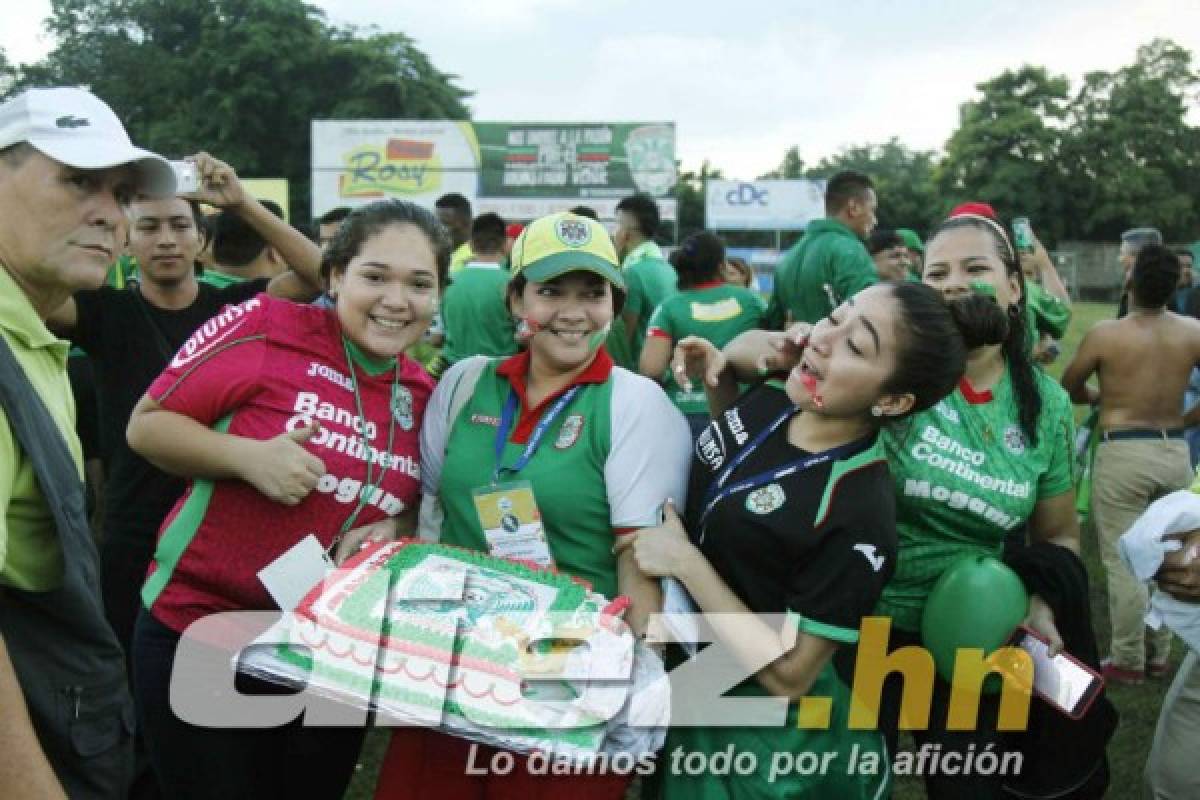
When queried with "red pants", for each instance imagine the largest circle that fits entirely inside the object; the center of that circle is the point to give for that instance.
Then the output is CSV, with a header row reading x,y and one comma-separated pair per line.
x,y
421,763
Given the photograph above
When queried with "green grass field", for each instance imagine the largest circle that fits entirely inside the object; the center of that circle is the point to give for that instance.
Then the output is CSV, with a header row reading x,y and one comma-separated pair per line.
x,y
1138,705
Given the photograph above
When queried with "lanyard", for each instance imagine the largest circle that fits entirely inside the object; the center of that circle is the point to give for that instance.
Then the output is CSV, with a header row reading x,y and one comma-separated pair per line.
x,y
717,491
539,432
369,486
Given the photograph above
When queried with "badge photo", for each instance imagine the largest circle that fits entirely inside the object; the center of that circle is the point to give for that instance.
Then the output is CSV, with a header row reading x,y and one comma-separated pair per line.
x,y
402,407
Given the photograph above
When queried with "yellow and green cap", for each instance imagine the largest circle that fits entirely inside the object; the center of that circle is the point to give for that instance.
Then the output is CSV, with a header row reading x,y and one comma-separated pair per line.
x,y
559,243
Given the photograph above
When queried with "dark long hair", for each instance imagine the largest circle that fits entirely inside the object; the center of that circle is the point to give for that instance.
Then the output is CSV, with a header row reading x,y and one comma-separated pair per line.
x,y
1016,344
933,338
368,220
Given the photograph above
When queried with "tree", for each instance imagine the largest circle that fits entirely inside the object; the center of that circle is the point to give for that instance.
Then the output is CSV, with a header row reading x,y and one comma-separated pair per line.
x,y
239,78
791,168
903,181
1130,157
690,197
1005,150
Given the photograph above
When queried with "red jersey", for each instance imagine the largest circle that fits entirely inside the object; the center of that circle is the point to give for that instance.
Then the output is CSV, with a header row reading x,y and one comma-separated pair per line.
x,y
257,370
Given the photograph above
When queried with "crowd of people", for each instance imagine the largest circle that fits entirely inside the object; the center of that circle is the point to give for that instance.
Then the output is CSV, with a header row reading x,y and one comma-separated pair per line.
x,y
230,395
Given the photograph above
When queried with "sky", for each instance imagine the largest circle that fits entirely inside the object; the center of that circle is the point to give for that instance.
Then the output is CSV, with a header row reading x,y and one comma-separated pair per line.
x,y
744,80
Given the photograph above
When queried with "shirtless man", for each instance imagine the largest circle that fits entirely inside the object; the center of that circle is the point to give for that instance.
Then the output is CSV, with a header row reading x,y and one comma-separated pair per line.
x,y
1143,361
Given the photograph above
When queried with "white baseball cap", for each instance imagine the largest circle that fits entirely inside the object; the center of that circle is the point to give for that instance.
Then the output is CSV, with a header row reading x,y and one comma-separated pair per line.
x,y
76,128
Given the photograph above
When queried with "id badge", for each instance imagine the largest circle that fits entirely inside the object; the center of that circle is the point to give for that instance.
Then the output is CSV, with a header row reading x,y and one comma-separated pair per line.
x,y
511,522
294,574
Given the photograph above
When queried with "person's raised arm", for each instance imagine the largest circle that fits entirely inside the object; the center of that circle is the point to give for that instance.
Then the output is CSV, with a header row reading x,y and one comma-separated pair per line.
x,y
1052,282
220,186
696,358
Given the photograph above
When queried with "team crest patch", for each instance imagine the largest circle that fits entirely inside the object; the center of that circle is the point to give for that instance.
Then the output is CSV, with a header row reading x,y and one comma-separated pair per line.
x,y
402,408
568,434
573,232
1014,440
766,499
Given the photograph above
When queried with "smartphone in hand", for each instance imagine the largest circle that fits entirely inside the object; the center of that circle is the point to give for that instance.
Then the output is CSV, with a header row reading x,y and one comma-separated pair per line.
x,y
1062,681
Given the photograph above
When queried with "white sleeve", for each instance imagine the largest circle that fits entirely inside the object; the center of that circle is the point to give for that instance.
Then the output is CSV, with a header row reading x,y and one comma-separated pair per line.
x,y
651,452
435,428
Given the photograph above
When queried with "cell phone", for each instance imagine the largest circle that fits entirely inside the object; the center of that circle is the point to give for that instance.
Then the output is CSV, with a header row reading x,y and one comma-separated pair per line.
x,y
187,180
1062,681
1023,234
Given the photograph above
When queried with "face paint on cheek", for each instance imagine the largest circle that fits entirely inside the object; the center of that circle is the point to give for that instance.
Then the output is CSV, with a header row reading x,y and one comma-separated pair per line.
x,y
598,337
527,327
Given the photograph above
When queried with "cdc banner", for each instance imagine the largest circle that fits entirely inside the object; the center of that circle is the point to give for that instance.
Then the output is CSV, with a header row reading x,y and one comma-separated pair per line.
x,y
763,205
518,170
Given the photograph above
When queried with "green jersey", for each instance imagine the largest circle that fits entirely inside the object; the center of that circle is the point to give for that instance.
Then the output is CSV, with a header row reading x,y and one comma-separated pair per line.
x,y
605,464
648,281
715,311
1044,313
475,315
966,476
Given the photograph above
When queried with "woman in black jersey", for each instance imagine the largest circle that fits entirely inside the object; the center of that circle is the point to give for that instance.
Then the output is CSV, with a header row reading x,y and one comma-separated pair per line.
x,y
791,512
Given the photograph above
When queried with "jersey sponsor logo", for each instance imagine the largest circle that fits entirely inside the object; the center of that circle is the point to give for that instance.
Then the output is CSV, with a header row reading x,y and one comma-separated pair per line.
x,y
310,404
736,426
716,312
942,452
351,490
947,412
568,434
868,550
402,407
959,500
213,332
1014,440
318,370
484,419
710,446
765,500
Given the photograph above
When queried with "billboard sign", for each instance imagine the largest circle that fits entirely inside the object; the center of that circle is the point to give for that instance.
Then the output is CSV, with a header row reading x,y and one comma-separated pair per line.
x,y
763,205
518,170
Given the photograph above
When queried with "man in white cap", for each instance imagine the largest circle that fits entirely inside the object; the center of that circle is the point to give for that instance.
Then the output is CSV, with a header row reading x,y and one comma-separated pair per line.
x,y
67,167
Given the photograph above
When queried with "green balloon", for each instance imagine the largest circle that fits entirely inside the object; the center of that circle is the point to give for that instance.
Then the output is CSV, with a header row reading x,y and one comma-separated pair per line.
x,y
977,603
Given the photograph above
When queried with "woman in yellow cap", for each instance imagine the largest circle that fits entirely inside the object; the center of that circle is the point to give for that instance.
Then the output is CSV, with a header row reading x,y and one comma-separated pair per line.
x,y
557,431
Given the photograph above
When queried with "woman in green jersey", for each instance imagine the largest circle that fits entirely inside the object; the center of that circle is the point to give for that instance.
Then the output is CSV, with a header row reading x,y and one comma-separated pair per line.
x,y
991,460
791,512
561,439
706,306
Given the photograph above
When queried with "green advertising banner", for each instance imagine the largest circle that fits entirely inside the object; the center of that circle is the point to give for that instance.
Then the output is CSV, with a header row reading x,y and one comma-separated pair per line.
x,y
575,160
518,170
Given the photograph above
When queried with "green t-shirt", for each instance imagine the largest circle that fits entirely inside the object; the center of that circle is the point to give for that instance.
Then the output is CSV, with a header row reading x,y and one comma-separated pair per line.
x,y
594,473
648,281
474,315
1044,313
717,312
826,267
30,554
966,476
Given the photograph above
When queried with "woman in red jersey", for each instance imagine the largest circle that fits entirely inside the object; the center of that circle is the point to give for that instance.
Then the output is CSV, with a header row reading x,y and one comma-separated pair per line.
x,y
298,427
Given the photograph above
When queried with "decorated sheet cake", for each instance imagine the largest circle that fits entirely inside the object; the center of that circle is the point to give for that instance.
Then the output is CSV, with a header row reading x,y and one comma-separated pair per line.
x,y
493,650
